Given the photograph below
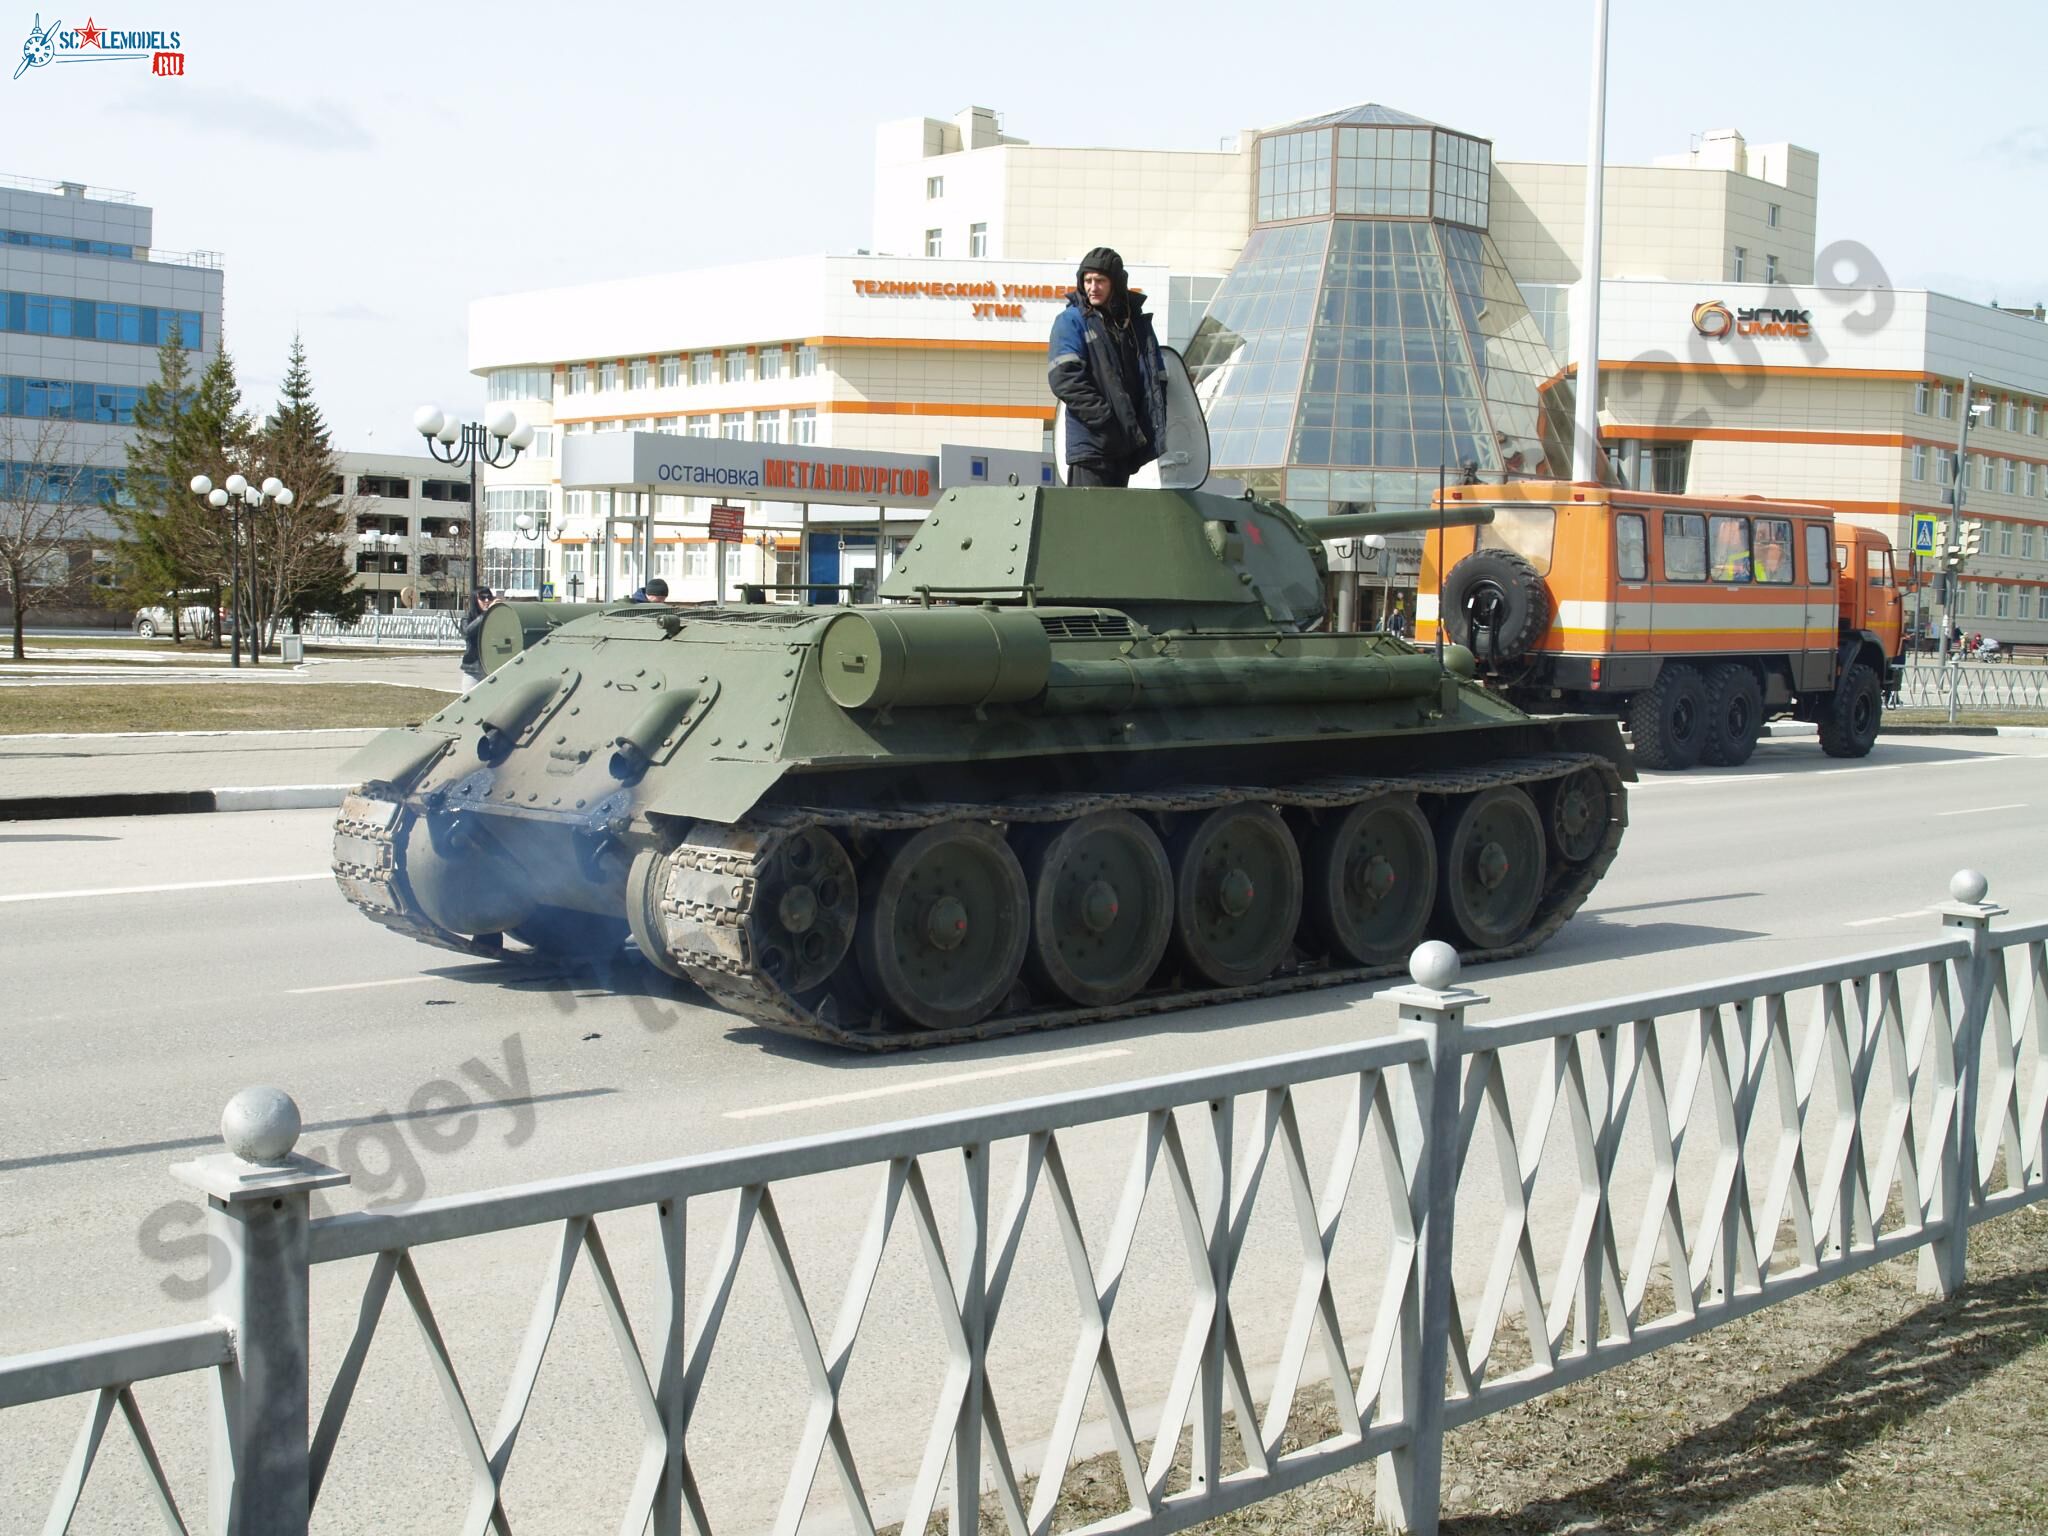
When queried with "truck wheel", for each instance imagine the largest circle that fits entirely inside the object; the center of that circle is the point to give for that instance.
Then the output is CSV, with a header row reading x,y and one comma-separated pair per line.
x,y
1734,716
1496,604
1849,728
1667,720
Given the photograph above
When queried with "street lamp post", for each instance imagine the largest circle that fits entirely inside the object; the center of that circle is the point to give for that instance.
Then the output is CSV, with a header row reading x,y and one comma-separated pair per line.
x,y
497,441
1951,584
235,494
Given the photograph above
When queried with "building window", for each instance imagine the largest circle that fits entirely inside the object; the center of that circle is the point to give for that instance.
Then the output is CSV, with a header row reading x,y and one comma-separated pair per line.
x,y
696,561
2029,480
636,373
543,443
934,188
733,426
767,426
733,563
505,505
1771,215
1986,473
806,361
803,425
2005,531
1944,465
513,570
2012,411
42,314
2005,476
2027,603
734,370
1946,403
607,377
1919,462
977,239
769,362
697,426
521,384
391,487
700,367
1741,262
1920,398
1983,600
669,426
579,378
671,370
1770,267
2005,602
934,241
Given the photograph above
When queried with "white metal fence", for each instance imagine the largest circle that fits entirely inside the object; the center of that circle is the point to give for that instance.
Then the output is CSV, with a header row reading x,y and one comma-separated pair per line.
x,y
1543,1198
1978,685
438,628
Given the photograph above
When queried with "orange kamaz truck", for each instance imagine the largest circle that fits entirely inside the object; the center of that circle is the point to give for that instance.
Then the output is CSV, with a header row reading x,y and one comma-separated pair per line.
x,y
1693,618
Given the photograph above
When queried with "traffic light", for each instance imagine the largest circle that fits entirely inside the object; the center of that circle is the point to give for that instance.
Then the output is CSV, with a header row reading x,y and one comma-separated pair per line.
x,y
1971,544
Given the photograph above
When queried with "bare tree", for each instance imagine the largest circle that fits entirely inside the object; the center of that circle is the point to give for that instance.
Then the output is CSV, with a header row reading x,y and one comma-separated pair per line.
x,y
50,513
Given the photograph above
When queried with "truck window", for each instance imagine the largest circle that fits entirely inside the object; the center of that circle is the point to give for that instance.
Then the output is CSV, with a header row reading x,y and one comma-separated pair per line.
x,y
1631,548
1817,570
1733,559
1685,546
1774,550
1878,562
1529,531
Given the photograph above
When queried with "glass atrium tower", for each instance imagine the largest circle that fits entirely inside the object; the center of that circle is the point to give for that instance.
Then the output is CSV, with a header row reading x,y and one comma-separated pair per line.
x,y
1369,336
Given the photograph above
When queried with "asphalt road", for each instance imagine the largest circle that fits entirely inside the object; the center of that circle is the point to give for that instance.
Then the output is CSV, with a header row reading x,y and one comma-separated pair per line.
x,y
151,967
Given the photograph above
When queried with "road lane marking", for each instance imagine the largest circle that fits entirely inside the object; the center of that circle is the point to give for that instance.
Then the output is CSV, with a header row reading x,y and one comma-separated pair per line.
x,y
1048,1064
154,890
357,986
1979,810
1687,780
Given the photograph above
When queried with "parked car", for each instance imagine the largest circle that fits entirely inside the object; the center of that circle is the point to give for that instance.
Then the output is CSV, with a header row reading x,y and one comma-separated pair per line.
x,y
196,617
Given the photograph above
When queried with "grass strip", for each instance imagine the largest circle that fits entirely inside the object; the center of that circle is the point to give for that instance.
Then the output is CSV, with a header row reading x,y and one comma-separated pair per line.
x,y
212,706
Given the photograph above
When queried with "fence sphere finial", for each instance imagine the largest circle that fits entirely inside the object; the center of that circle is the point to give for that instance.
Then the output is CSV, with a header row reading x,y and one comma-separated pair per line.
x,y
1968,886
1434,965
260,1125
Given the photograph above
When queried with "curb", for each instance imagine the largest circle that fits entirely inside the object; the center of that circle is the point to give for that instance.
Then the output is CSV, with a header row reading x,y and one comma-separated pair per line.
x,y
176,802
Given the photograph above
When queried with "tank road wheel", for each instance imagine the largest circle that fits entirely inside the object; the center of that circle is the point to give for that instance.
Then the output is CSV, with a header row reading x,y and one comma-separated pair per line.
x,y
1492,855
1236,894
1667,720
944,917
1371,880
563,933
806,903
1581,806
646,884
1101,908
1734,716
1848,728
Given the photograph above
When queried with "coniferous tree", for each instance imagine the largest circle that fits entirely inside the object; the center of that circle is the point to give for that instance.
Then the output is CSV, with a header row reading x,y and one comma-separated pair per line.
x,y
158,502
302,549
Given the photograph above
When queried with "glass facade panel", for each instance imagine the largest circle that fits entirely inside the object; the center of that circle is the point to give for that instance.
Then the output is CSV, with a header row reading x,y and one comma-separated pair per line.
x,y
1294,175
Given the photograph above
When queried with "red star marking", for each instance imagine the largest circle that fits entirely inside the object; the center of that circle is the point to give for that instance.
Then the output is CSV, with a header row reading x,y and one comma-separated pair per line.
x,y
89,35
1251,531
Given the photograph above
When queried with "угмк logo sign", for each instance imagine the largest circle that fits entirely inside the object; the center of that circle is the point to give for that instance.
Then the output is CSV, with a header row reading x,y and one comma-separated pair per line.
x,y
93,43
1716,321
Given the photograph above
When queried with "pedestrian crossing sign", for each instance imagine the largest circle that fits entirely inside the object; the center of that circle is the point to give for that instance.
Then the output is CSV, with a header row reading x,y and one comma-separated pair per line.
x,y
1926,535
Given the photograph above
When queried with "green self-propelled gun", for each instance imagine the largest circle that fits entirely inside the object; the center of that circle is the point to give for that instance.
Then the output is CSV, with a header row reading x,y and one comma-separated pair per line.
x,y
1093,755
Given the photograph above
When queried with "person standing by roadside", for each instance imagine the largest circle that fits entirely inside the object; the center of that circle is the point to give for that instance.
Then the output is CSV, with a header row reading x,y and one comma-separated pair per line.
x,y
473,637
1103,362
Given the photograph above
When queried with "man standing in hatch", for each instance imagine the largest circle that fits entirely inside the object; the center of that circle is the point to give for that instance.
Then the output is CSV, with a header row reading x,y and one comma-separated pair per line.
x,y
1104,364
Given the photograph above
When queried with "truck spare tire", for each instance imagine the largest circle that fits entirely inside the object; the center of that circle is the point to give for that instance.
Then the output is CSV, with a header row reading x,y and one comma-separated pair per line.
x,y
1496,605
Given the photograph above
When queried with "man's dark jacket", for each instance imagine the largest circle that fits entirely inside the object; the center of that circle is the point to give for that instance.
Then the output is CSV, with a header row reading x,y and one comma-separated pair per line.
x,y
1109,425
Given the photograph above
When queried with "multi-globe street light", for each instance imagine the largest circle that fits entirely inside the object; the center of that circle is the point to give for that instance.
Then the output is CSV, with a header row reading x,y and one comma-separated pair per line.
x,y
497,440
236,493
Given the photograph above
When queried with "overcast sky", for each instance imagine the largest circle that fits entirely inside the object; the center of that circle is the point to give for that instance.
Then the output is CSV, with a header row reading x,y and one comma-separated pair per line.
x,y
367,170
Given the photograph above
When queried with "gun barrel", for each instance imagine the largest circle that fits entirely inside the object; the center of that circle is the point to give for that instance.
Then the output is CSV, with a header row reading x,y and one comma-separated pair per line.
x,y
1352,525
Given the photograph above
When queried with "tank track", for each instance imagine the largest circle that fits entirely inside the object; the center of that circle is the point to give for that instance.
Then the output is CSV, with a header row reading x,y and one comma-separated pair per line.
x,y
713,874
706,892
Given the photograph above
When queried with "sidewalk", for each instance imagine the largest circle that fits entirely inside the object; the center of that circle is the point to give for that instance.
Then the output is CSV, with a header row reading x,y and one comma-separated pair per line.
x,y
49,776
